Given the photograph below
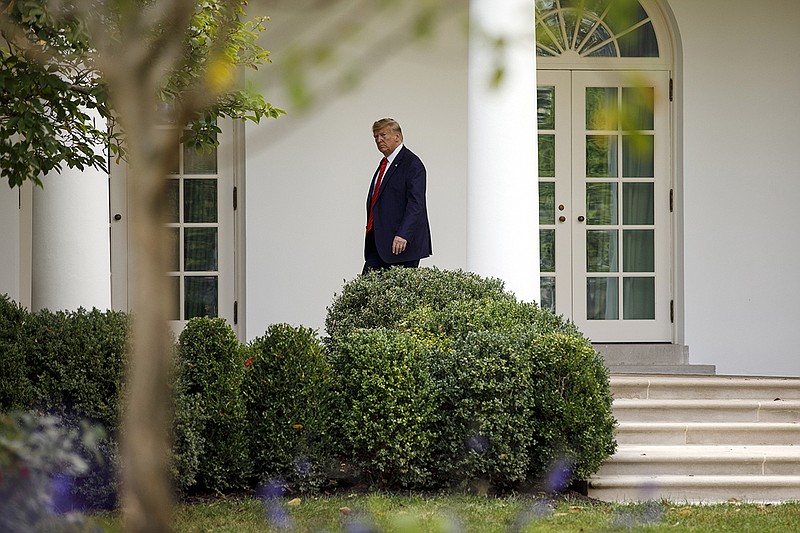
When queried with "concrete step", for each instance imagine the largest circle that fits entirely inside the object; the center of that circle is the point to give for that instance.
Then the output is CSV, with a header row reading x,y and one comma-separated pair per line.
x,y
704,461
659,358
748,410
703,439
704,387
643,354
707,370
702,433
695,489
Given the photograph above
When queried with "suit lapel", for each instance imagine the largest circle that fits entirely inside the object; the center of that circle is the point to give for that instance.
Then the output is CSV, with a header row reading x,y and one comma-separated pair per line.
x,y
390,169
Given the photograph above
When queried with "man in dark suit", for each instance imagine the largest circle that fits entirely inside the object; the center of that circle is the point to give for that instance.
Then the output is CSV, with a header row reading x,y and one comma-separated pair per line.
x,y
398,233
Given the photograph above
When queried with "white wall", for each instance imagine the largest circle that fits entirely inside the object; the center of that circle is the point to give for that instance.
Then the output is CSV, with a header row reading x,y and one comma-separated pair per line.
x,y
307,176
308,173
741,184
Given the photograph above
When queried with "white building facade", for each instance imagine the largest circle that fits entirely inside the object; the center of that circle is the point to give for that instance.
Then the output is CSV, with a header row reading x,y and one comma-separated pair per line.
x,y
636,173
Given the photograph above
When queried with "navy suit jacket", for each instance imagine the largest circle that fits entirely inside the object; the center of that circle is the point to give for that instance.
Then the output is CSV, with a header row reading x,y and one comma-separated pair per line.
x,y
401,209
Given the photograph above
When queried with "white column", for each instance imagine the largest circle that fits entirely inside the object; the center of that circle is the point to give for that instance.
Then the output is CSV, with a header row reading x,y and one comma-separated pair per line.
x,y
71,248
502,190
10,241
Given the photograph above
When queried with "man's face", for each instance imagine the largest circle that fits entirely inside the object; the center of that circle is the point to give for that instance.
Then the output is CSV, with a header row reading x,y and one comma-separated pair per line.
x,y
386,140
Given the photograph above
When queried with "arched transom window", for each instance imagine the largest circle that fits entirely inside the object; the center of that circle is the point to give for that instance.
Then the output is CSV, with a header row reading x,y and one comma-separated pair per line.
x,y
594,28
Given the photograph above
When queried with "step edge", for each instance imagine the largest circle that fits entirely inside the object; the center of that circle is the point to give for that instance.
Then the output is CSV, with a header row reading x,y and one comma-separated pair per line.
x,y
728,403
676,480
657,376
738,426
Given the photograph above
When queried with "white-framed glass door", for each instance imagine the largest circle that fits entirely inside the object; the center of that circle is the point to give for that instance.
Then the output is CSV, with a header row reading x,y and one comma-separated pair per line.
x,y
604,180
200,228
554,108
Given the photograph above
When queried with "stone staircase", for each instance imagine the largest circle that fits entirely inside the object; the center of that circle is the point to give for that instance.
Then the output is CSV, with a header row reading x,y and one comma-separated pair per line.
x,y
643,358
703,439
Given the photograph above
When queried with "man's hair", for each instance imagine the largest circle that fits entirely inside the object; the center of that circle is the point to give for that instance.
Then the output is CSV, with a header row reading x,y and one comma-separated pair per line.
x,y
392,123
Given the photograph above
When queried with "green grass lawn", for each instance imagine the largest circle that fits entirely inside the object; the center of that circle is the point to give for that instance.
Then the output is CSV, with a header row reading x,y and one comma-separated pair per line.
x,y
445,514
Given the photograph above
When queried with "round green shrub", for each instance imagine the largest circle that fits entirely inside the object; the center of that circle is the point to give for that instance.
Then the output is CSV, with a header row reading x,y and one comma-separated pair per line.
x,y
485,401
572,405
289,398
459,317
384,298
517,389
211,447
389,418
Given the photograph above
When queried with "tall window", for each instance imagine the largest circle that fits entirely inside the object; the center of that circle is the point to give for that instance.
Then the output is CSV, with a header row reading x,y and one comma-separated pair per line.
x,y
603,95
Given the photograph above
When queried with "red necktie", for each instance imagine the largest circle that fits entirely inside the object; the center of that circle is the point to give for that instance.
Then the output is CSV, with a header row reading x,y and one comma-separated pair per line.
x,y
384,162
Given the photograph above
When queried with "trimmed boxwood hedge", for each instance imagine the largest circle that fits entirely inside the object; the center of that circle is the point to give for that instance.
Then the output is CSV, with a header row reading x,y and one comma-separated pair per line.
x,y
16,389
69,364
289,398
387,419
211,447
515,389
425,379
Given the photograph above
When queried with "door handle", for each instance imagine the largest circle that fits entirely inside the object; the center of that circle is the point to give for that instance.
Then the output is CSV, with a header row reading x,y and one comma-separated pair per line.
x,y
562,218
581,218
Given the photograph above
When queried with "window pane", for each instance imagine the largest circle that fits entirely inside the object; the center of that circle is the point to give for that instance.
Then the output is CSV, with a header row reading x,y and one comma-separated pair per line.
x,y
547,253
545,5
601,108
602,251
601,204
599,35
601,156
547,202
606,51
547,156
545,104
623,15
637,156
637,204
200,200
547,287
200,249
639,251
637,108
641,42
541,51
639,298
602,299
201,297
174,238
548,34
173,200
589,16
196,161
174,295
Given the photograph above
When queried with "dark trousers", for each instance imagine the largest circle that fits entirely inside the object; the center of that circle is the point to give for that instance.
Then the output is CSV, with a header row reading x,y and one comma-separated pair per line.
x,y
373,259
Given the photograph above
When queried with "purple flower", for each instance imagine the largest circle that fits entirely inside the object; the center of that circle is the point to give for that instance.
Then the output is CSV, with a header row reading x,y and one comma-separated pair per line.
x,y
559,475
478,443
274,509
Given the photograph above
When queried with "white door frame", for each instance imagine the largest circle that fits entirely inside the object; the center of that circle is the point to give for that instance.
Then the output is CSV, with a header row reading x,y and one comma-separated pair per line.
x,y
122,260
570,202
